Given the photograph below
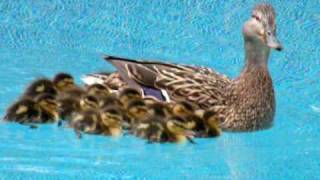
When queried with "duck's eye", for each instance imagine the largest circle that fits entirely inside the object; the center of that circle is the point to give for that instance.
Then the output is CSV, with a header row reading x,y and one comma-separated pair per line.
x,y
269,33
256,17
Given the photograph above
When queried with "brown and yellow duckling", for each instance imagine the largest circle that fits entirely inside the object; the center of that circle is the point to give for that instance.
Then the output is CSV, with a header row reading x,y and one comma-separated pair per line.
x,y
186,111
88,102
49,107
98,90
211,121
111,121
128,94
24,111
109,100
138,111
40,86
68,106
86,122
175,131
66,86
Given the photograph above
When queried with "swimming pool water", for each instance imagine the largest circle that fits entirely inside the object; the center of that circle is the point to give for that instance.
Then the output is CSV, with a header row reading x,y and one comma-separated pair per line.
x,y
41,38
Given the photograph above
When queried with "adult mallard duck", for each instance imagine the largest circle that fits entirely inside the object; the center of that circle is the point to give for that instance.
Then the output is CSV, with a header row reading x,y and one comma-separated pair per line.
x,y
245,103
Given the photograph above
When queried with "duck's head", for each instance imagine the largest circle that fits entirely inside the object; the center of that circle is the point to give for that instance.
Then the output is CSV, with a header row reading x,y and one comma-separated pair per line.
x,y
40,86
260,29
63,81
88,102
98,90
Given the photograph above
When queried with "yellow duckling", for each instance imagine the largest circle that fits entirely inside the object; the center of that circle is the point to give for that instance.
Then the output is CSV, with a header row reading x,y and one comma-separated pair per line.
x,y
128,94
63,81
98,90
137,111
67,106
89,102
24,111
159,109
49,107
211,121
87,122
40,86
186,111
175,131
66,86
149,100
109,100
111,117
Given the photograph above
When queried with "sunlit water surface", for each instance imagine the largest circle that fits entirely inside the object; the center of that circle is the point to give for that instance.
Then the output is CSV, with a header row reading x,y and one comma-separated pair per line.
x,y
42,38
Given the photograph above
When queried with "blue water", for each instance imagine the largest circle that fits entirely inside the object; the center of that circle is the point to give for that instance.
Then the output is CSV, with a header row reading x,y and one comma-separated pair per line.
x,y
41,38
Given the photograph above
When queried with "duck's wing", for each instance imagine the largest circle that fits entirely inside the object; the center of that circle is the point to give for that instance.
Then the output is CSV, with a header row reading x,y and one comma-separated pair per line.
x,y
196,84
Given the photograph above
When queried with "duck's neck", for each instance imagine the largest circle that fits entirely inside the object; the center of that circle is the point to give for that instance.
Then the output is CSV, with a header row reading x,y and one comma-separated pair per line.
x,y
256,55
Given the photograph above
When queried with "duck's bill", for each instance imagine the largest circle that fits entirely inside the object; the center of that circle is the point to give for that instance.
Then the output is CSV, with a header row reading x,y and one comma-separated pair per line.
x,y
274,43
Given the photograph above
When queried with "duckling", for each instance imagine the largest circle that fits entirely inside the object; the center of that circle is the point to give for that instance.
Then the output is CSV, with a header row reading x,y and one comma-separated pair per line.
x,y
63,82
98,90
182,108
176,131
49,107
159,109
211,121
149,100
127,94
108,100
40,86
89,102
137,111
155,132
111,117
86,121
67,106
188,113
25,110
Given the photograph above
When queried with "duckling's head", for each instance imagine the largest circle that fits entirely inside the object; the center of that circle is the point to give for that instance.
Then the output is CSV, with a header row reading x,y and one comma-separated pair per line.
x,y
155,131
112,116
98,90
25,110
149,100
40,86
128,94
86,121
68,106
108,100
212,121
159,109
260,29
63,81
49,106
88,102
182,108
137,109
177,130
